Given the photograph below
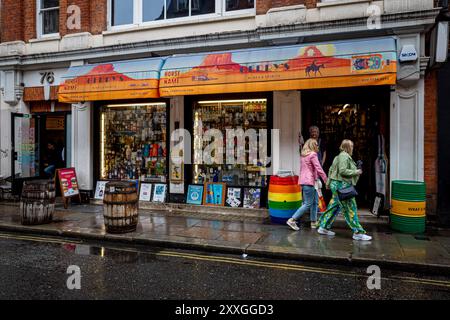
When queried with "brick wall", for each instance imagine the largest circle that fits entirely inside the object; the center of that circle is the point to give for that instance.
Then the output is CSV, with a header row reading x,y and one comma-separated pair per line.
x,y
262,6
11,13
98,11
18,18
93,16
29,18
431,143
22,26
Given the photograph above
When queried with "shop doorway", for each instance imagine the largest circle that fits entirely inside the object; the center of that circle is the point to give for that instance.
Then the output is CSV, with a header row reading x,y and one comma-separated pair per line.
x,y
25,162
39,142
54,137
358,114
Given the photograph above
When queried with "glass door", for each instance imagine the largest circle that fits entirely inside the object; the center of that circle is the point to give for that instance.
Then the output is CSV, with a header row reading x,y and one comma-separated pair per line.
x,y
25,149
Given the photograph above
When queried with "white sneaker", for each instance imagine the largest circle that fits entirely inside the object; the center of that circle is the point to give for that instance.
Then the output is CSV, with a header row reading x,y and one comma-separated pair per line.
x,y
361,237
326,232
291,223
314,224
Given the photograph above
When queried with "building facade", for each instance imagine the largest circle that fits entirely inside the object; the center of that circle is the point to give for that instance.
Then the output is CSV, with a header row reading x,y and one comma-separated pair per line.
x,y
112,80
438,88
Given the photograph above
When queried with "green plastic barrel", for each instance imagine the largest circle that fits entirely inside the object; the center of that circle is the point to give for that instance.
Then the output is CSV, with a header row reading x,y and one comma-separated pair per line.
x,y
411,191
408,192
408,225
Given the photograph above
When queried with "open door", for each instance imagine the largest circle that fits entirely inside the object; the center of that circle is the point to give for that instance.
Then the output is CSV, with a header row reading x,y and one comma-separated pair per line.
x,y
25,149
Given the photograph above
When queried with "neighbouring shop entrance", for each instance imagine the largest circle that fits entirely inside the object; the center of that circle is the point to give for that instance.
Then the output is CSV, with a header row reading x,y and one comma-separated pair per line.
x,y
54,141
41,145
358,114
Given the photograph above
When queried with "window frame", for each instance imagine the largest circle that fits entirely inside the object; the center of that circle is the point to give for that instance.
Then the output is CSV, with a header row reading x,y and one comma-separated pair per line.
x,y
138,15
237,12
40,20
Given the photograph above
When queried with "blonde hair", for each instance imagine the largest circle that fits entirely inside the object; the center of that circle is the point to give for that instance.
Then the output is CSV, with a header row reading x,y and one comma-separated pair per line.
x,y
310,146
347,146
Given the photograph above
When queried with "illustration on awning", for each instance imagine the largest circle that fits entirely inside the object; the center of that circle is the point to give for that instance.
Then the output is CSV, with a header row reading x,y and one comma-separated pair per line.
x,y
134,79
333,65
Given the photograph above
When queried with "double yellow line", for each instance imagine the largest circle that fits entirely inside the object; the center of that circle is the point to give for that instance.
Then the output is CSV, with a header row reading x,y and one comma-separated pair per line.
x,y
36,239
300,268
235,261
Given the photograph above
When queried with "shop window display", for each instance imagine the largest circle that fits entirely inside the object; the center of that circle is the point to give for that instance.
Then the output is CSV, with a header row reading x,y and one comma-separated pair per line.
x,y
133,142
223,115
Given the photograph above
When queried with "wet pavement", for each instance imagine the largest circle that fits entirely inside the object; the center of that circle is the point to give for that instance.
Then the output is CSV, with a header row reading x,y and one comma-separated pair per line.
x,y
36,268
256,239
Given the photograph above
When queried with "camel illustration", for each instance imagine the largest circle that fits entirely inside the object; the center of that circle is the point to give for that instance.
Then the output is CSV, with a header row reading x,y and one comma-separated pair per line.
x,y
314,68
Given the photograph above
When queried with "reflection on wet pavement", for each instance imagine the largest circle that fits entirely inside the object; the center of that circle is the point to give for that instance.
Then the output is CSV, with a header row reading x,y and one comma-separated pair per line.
x,y
116,255
87,220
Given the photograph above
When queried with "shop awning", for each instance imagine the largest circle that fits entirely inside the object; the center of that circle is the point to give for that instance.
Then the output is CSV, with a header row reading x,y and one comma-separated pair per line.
x,y
111,81
324,65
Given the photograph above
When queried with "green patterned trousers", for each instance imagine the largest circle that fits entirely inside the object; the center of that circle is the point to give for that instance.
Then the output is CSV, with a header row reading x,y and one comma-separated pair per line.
x,y
348,208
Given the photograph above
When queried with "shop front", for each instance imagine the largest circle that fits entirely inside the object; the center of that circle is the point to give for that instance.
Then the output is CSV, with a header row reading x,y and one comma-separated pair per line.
x,y
129,140
40,129
242,112
342,87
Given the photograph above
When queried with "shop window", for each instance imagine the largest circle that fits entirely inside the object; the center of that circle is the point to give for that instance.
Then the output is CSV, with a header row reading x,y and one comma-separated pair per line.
x,y
48,17
133,142
224,115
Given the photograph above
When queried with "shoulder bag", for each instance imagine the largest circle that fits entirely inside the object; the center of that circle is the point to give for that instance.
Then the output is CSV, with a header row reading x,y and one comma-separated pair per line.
x,y
347,193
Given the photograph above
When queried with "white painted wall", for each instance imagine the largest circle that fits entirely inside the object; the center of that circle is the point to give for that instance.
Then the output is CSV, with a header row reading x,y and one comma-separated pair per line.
x,y
177,115
287,119
5,139
83,144
9,92
407,132
33,78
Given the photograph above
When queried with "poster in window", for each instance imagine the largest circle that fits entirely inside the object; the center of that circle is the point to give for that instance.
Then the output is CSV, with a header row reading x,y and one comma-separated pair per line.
x,y
146,192
100,190
176,170
195,194
252,198
234,197
214,194
159,193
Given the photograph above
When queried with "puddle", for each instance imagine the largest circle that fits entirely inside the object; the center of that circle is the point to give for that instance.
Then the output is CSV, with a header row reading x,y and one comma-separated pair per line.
x,y
116,255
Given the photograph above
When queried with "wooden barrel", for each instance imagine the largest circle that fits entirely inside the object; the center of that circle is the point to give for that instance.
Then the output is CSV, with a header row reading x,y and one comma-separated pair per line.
x,y
37,203
285,198
120,207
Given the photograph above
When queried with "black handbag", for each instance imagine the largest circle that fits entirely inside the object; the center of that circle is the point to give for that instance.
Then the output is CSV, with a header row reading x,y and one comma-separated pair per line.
x,y
347,193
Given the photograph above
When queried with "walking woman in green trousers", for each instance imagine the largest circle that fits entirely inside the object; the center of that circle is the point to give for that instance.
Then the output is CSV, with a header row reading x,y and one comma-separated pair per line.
x,y
343,173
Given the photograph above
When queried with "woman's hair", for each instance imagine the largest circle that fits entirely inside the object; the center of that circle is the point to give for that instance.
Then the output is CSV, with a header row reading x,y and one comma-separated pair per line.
x,y
347,146
310,146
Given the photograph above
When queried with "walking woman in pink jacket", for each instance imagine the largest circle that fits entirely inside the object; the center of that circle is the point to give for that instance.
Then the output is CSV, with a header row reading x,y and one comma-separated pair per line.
x,y
310,172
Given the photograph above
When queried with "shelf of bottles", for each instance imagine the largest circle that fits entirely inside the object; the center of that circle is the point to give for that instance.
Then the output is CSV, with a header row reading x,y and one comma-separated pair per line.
x,y
133,142
223,115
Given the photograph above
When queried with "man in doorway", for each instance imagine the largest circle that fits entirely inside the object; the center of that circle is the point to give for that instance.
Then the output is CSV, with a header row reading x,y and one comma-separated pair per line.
x,y
314,133
53,160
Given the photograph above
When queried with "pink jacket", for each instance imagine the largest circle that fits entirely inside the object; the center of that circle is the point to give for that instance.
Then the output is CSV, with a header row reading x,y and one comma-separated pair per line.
x,y
311,169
